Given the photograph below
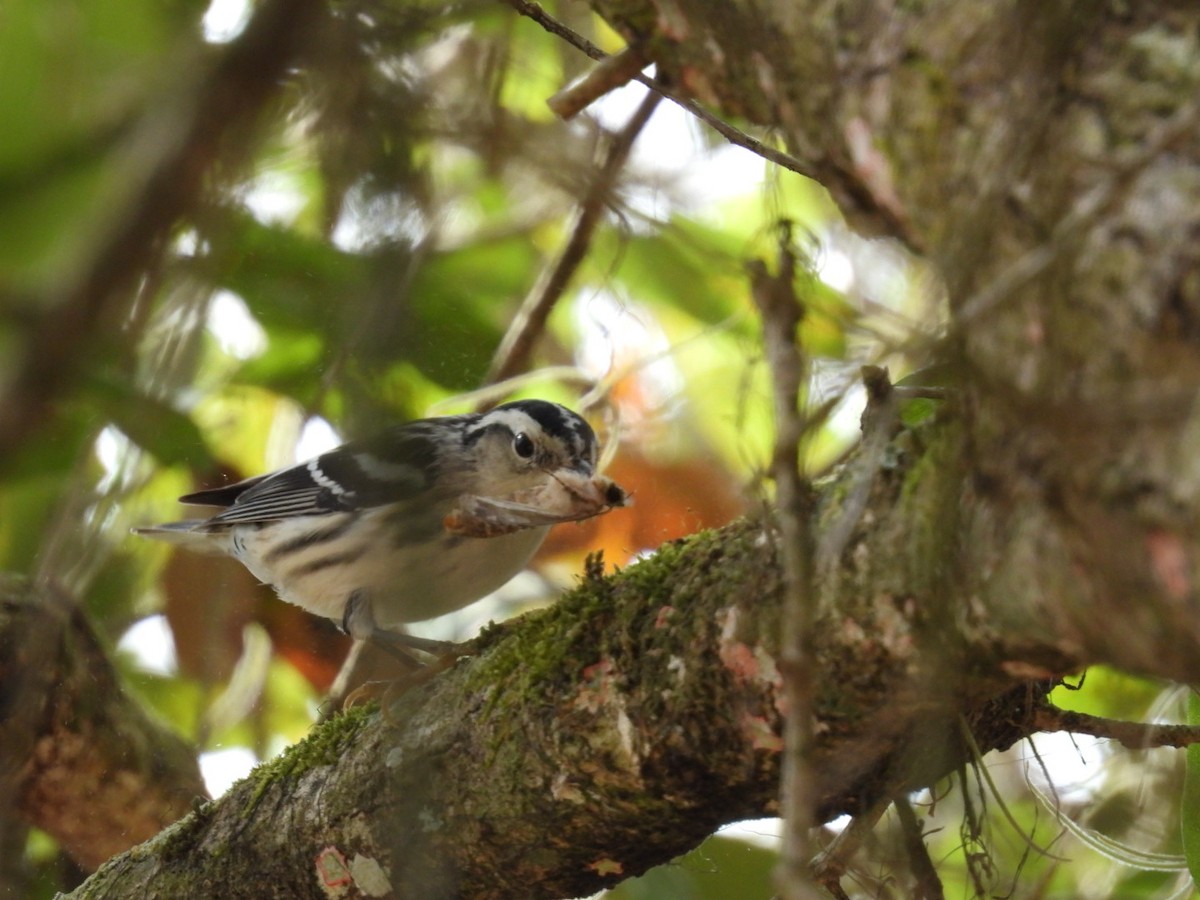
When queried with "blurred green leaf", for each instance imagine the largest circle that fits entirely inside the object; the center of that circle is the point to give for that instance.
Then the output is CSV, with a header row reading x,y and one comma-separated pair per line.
x,y
290,365
69,66
26,509
65,434
479,275
113,593
1109,693
169,435
938,375
1150,886
824,333
461,301
178,700
526,95
73,76
914,412
289,280
689,266
37,250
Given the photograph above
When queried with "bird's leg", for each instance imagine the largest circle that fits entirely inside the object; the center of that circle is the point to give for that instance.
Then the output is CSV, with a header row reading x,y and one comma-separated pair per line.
x,y
394,642
359,622
388,692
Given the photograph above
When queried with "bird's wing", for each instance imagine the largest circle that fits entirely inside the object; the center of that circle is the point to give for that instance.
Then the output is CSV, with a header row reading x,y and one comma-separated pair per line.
x,y
389,468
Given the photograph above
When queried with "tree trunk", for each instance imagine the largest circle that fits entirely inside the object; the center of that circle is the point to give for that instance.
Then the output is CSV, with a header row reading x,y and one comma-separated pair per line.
x,y
1044,158
79,758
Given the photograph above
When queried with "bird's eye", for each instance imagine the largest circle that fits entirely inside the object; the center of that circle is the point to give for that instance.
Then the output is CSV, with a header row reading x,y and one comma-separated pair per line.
x,y
523,445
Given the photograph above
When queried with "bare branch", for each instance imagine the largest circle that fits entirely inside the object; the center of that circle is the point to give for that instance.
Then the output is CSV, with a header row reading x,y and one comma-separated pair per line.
x,y
609,74
831,863
79,758
734,135
1133,735
928,885
650,697
879,420
513,353
781,313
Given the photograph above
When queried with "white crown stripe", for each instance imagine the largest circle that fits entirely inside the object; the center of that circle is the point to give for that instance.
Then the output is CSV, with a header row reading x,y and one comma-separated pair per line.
x,y
512,419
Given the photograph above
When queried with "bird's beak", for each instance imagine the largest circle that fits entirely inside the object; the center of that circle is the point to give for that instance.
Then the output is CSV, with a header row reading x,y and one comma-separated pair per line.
x,y
596,491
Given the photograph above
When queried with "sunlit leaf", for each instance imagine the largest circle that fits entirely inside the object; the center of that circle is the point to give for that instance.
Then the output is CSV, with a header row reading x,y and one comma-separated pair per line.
x,y
291,365
171,436
289,280
690,266
720,869
1108,693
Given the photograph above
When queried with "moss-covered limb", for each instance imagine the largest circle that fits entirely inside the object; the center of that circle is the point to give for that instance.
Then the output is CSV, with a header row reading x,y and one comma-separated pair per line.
x,y
616,729
580,744
79,758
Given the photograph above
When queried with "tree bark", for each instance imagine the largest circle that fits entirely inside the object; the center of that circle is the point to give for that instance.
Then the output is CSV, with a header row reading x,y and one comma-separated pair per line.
x,y
1046,159
580,745
79,758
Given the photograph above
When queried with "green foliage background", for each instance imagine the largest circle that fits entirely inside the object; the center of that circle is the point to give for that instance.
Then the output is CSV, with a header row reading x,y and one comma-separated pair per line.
x,y
375,232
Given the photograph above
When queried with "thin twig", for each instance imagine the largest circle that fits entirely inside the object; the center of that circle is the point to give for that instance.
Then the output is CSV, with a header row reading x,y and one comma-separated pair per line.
x,y
608,75
781,313
513,353
928,885
878,422
981,771
832,863
1106,846
730,133
970,832
1134,735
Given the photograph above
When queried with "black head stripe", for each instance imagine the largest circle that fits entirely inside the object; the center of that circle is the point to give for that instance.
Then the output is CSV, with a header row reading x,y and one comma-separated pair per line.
x,y
556,422
552,417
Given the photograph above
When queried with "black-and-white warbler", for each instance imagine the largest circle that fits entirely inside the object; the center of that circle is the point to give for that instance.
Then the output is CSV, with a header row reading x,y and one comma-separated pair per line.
x,y
420,520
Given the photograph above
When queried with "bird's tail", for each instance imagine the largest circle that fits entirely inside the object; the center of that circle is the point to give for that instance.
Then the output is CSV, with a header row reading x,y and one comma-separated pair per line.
x,y
189,533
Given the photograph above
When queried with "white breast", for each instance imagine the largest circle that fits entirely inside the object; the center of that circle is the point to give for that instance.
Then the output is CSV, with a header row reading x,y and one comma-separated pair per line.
x,y
405,582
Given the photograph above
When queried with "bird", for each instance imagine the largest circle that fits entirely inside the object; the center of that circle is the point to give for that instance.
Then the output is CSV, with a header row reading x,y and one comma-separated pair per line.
x,y
419,520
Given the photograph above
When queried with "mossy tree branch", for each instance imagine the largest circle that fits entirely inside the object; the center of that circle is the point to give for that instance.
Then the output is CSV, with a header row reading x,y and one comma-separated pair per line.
x,y
587,742
617,729
79,758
